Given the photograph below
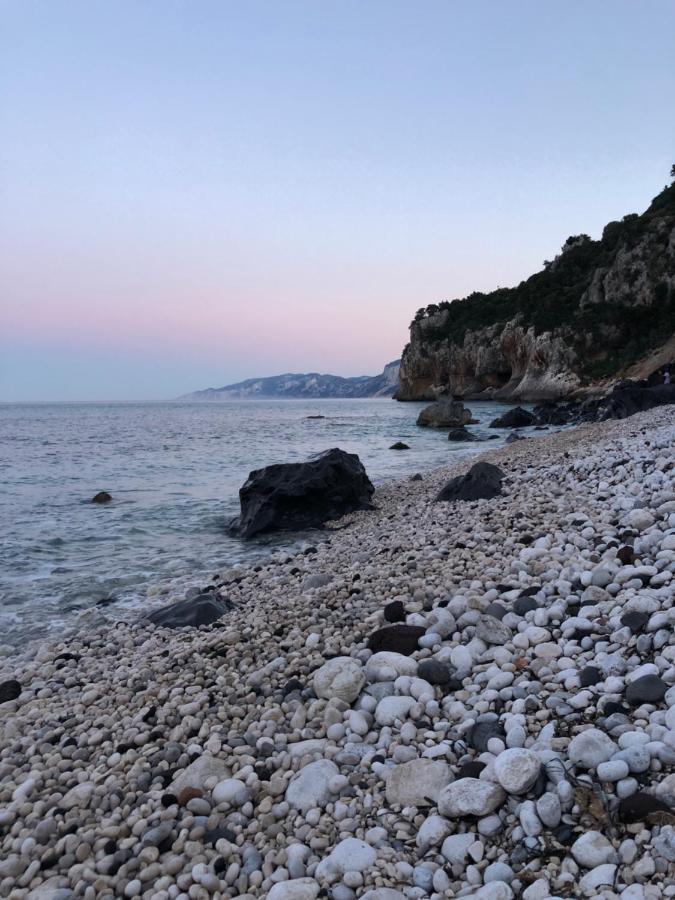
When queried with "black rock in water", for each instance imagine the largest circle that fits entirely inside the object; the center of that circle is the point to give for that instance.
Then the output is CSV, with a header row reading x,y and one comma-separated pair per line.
x,y
398,638
514,418
9,690
399,445
513,437
648,689
293,496
482,482
394,611
194,611
461,434
101,497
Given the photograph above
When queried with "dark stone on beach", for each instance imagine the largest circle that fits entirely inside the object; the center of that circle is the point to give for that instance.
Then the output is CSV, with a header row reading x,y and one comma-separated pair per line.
x,y
612,708
514,418
634,620
193,612
9,690
416,477
220,831
101,497
625,555
481,732
564,834
513,437
524,605
589,676
638,807
435,672
399,445
471,769
398,638
293,496
482,482
496,610
461,434
394,611
648,689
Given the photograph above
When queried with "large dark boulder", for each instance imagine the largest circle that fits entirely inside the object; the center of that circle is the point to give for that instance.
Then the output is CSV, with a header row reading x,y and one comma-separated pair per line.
x,y
445,413
101,497
481,482
293,496
205,609
514,418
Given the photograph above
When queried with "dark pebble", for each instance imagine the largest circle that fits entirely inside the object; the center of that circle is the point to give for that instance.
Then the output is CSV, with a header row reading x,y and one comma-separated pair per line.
x,y
648,689
638,806
590,676
496,610
435,672
396,638
9,690
636,621
481,733
394,611
524,605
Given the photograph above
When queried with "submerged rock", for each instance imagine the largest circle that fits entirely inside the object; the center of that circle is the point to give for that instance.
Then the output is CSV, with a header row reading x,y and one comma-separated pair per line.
x,y
514,418
292,496
482,482
399,445
101,497
461,434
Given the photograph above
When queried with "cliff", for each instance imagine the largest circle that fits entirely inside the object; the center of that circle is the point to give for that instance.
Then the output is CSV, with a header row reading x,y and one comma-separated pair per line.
x,y
312,386
598,311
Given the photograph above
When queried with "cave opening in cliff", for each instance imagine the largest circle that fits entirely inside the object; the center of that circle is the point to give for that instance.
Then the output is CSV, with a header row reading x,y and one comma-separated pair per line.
x,y
503,377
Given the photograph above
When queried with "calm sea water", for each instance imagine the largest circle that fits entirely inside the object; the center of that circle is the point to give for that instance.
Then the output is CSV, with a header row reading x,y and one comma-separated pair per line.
x,y
174,470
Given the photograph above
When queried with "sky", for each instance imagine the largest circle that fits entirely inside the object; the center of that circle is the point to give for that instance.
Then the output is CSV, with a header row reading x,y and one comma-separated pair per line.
x,y
193,192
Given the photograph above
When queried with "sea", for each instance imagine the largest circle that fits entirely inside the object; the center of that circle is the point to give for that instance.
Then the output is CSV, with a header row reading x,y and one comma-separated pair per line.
x,y
174,471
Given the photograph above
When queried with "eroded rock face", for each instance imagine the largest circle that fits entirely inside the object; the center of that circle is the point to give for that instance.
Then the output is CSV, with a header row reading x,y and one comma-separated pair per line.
x,y
500,362
293,496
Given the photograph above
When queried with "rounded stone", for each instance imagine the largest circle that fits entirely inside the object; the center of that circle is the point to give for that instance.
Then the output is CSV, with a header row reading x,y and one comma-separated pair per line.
x,y
470,797
517,769
342,677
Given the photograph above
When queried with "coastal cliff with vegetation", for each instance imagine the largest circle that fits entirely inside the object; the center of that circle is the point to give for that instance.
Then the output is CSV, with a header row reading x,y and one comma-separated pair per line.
x,y
601,310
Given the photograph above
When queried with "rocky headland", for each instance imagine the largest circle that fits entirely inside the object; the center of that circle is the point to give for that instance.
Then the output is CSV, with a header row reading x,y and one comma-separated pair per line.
x,y
600,311
310,386
439,698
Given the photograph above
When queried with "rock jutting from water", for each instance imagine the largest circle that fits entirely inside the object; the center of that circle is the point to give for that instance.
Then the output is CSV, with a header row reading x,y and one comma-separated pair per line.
x,y
491,714
294,496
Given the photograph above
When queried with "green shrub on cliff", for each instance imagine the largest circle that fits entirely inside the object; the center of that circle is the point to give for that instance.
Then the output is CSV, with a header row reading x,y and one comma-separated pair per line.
x,y
551,299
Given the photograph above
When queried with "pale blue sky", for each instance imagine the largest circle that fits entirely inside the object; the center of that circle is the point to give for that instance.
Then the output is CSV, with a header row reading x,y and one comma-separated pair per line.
x,y
197,192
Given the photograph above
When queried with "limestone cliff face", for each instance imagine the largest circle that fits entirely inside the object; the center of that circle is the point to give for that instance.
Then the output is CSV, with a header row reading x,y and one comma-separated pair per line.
x,y
506,362
595,311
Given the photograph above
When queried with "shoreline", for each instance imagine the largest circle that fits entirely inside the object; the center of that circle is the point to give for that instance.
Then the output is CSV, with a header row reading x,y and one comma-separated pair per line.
x,y
158,718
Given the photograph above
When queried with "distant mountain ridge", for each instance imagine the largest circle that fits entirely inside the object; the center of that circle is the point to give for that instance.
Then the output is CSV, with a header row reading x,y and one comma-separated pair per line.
x,y
310,386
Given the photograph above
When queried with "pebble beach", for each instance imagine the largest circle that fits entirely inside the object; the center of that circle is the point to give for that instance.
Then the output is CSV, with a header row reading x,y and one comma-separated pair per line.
x,y
511,732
